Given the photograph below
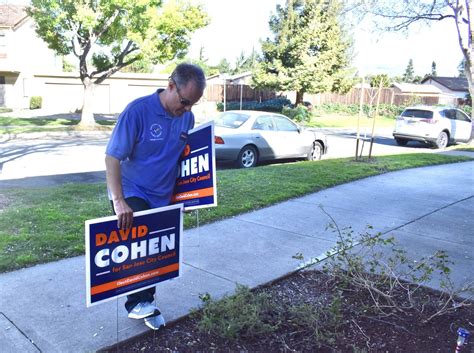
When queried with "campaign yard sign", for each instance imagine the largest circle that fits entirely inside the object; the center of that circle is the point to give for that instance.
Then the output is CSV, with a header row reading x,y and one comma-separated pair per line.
x,y
196,182
124,261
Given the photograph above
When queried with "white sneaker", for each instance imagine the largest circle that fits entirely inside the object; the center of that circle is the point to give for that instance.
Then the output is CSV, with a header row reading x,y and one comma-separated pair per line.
x,y
143,310
155,322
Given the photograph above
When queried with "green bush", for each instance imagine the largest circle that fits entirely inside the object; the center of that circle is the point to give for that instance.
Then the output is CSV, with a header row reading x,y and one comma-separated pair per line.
x,y
299,114
245,314
271,105
36,102
467,109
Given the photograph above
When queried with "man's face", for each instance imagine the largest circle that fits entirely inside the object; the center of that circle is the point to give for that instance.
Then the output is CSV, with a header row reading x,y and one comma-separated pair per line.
x,y
183,98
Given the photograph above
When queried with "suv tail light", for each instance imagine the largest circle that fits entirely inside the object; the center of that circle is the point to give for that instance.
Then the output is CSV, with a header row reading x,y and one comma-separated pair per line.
x,y
218,140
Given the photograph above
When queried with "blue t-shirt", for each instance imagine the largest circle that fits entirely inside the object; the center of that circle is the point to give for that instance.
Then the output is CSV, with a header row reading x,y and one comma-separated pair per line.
x,y
148,142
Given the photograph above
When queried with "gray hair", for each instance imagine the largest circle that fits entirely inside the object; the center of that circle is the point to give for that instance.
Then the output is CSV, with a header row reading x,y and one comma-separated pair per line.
x,y
184,73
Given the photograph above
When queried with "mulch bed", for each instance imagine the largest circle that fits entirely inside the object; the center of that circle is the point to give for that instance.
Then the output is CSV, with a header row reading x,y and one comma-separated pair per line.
x,y
358,328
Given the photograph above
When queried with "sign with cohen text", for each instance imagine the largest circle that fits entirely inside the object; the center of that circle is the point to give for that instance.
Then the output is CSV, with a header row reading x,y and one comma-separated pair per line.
x,y
196,182
124,261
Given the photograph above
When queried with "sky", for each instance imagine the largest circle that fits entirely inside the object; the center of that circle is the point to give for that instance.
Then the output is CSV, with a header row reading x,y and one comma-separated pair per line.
x,y
238,26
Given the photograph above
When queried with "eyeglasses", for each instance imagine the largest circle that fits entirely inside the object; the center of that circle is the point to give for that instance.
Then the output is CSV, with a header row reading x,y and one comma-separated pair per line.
x,y
184,102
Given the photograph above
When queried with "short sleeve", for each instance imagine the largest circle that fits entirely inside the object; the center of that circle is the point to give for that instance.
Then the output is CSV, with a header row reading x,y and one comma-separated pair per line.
x,y
124,135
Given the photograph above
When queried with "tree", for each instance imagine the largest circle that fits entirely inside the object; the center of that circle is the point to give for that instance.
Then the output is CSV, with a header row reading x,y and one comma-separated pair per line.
x,y
108,35
224,66
139,66
400,15
433,69
310,51
245,63
379,80
462,68
409,72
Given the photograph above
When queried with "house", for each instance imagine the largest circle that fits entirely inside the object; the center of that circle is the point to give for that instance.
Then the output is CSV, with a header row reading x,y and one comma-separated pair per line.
x,y
456,87
21,54
411,93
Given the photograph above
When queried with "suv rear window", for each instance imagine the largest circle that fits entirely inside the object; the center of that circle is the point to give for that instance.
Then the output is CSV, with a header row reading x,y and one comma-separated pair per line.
x,y
417,113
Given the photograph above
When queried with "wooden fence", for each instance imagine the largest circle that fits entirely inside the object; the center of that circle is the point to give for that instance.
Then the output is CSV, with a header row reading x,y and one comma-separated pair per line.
x,y
215,93
390,96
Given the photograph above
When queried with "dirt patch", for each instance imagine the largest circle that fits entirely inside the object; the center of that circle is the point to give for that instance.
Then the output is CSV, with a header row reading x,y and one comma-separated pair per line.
x,y
305,316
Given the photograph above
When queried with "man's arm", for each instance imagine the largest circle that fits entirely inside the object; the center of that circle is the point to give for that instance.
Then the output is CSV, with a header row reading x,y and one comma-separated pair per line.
x,y
114,183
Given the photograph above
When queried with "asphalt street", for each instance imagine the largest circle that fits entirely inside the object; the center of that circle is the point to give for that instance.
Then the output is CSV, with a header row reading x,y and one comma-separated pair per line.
x,y
51,154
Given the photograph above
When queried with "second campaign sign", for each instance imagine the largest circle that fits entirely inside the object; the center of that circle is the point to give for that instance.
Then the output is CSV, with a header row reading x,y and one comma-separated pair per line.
x,y
123,261
196,182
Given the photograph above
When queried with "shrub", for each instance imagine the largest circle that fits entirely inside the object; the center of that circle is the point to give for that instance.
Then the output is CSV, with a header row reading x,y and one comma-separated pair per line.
x,y
467,109
36,102
244,314
384,272
299,114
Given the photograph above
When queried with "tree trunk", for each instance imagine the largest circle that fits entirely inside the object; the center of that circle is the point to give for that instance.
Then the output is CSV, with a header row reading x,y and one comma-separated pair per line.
x,y
299,97
87,116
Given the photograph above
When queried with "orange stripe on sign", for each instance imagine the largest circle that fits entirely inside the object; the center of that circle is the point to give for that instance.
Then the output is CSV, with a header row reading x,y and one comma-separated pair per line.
x,y
193,194
133,279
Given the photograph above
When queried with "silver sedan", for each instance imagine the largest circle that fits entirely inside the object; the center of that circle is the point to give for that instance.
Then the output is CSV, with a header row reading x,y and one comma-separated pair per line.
x,y
247,137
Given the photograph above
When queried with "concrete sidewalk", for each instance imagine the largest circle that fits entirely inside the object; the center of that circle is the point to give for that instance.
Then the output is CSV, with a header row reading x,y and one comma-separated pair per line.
x,y
43,308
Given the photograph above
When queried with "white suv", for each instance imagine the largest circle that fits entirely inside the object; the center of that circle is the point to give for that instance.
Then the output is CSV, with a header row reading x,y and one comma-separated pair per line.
x,y
438,126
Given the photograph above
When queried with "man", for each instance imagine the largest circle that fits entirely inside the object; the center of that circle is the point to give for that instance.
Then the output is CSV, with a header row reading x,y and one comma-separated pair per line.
x,y
142,160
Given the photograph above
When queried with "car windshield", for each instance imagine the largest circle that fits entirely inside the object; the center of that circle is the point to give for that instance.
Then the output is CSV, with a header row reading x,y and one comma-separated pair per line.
x,y
232,120
418,113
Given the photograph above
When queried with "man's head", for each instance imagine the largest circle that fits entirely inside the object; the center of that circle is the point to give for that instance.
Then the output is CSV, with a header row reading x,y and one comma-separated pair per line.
x,y
185,87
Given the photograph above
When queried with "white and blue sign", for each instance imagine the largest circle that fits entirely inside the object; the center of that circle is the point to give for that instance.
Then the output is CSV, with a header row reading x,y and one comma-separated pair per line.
x,y
196,182
120,262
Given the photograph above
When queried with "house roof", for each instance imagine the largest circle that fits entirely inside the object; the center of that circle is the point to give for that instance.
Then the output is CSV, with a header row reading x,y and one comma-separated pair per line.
x,y
416,88
453,83
12,15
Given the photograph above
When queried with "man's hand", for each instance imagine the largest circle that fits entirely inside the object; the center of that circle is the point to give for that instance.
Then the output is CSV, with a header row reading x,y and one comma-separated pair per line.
x,y
124,214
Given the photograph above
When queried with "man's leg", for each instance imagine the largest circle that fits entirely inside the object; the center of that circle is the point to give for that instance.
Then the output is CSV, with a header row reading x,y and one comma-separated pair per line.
x,y
147,295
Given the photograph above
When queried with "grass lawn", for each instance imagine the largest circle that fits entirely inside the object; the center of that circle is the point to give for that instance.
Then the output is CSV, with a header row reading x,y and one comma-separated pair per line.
x,y
350,121
11,125
47,224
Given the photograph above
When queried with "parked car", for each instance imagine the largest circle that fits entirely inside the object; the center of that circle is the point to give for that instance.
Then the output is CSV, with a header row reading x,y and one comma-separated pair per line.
x,y
438,126
247,137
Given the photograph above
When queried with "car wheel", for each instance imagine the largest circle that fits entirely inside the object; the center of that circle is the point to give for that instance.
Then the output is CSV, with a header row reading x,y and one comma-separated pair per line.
x,y
316,152
401,142
442,140
247,157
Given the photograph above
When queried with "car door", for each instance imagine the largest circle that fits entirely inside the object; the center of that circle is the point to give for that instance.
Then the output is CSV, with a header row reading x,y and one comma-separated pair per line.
x,y
289,142
265,136
463,126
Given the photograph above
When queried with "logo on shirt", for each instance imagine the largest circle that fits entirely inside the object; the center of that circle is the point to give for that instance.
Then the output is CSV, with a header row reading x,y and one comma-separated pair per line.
x,y
156,130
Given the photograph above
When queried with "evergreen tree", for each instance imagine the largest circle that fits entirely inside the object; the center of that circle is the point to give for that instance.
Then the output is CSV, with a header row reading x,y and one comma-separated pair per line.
x,y
245,63
462,68
224,66
310,51
408,76
433,69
